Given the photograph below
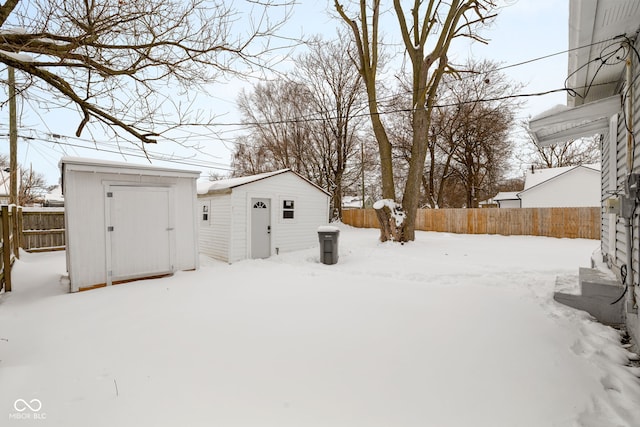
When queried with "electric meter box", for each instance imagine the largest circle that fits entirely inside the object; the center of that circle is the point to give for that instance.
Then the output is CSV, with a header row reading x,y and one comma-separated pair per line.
x,y
612,205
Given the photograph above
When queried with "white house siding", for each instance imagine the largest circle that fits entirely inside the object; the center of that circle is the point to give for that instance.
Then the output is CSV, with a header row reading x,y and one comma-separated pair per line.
x,y
620,238
85,218
576,188
633,320
608,161
240,208
616,255
215,234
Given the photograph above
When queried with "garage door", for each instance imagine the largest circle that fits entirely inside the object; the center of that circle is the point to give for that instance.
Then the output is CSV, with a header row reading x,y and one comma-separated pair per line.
x,y
139,232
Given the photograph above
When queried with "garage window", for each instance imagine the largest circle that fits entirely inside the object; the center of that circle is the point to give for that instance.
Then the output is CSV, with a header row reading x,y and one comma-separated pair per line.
x,y
288,211
205,213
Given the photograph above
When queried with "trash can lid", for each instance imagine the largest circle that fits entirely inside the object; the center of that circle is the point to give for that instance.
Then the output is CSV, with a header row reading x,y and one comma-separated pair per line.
x,y
328,229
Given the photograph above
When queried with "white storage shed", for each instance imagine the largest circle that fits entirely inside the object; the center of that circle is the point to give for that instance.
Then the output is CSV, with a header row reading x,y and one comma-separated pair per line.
x,y
260,215
126,222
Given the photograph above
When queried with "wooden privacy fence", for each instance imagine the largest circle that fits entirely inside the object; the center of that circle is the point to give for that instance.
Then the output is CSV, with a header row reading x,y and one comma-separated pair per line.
x,y
552,222
43,229
10,227
33,230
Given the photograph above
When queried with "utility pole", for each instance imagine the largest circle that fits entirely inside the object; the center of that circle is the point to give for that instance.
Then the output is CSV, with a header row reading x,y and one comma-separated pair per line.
x,y
13,140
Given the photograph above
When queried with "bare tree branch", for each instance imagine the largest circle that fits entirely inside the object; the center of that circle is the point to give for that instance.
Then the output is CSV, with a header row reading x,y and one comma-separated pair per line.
x,y
111,56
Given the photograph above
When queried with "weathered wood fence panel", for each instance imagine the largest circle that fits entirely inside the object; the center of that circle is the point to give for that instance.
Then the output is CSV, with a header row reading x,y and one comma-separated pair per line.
x,y
551,222
10,245
43,229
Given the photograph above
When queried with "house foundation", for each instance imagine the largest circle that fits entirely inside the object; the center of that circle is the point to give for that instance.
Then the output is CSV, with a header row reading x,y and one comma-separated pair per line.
x,y
596,293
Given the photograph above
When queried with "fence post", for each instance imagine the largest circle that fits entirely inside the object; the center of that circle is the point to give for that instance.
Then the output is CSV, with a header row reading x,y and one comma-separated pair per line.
x,y
15,217
20,227
6,248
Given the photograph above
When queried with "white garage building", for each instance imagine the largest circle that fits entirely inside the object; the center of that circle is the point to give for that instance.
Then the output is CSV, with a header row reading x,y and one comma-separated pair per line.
x,y
260,215
125,222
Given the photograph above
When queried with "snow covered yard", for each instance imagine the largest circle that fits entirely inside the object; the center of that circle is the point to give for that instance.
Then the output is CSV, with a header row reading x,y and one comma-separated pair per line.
x,y
450,330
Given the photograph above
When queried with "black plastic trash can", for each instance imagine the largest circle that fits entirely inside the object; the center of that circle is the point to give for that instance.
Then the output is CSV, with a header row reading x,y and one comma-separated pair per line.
x,y
328,237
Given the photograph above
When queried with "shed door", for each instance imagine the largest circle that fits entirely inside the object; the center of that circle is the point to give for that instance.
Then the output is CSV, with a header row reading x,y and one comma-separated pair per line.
x,y
260,228
139,232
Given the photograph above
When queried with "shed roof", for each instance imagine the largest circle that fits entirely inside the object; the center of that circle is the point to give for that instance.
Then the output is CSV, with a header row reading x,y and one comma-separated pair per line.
x,y
225,185
88,164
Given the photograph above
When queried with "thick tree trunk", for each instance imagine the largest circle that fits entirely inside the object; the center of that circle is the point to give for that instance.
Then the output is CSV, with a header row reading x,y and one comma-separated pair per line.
x,y
386,159
337,197
411,197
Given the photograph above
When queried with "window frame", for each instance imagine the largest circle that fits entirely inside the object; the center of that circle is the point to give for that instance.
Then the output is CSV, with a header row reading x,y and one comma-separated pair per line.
x,y
288,206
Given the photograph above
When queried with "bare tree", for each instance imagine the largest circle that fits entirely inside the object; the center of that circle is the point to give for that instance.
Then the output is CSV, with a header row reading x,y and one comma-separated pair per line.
x,y
471,132
337,90
250,157
576,152
122,63
33,187
277,113
310,122
481,152
427,33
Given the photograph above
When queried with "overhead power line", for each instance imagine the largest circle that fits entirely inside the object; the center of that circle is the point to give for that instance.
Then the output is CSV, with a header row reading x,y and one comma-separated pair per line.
x,y
130,152
245,125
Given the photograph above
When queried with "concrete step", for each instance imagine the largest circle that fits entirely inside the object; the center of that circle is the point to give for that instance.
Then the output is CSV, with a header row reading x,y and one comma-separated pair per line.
x,y
594,292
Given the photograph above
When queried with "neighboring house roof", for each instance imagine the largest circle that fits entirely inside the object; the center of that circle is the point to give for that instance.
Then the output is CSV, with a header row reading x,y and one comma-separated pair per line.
x,y
502,196
539,176
506,195
351,202
225,185
55,195
542,176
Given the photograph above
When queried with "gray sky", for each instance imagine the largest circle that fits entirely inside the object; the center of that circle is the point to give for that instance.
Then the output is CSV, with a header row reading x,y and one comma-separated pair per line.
x,y
525,30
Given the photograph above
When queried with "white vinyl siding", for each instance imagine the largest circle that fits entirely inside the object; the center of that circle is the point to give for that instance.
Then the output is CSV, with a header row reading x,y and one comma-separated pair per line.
x,y
214,236
636,169
633,320
613,237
